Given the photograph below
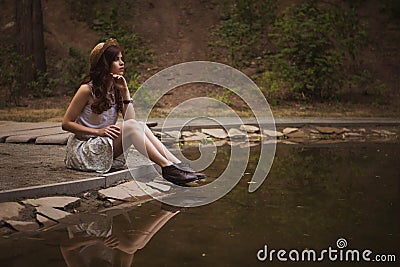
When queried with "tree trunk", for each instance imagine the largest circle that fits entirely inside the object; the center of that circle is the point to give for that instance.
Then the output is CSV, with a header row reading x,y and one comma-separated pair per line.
x,y
24,40
30,40
38,37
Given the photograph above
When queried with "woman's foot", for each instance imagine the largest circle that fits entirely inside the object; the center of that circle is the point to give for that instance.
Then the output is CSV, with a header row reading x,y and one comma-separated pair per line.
x,y
186,167
177,176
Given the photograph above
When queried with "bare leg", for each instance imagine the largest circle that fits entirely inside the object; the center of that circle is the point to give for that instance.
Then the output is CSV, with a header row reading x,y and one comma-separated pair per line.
x,y
160,146
134,133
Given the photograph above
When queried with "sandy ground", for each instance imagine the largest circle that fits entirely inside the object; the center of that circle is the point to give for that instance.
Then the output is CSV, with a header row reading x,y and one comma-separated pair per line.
x,y
25,165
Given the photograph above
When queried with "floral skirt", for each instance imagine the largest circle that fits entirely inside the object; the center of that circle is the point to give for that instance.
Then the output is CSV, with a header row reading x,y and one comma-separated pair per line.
x,y
92,154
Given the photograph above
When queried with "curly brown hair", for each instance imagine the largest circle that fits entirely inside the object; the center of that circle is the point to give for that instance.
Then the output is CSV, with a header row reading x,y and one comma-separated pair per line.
x,y
103,82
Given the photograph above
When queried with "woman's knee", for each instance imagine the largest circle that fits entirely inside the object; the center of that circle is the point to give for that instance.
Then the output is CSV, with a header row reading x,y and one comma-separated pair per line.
x,y
133,126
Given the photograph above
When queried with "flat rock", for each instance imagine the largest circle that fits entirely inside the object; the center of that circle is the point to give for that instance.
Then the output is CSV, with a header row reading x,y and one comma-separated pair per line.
x,y
55,202
297,134
174,134
31,135
159,186
9,210
132,189
45,221
329,130
23,226
234,133
196,137
147,189
249,128
52,213
352,134
55,139
216,133
383,132
289,130
115,192
272,133
187,133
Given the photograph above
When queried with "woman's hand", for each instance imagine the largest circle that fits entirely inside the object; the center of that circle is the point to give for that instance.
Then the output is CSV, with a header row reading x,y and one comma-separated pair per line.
x,y
112,131
120,83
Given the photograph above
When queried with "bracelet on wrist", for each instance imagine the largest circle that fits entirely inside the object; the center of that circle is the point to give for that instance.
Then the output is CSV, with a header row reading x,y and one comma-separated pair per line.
x,y
127,101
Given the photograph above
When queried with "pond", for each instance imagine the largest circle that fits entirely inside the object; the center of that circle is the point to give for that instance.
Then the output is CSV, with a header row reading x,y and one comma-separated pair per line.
x,y
313,197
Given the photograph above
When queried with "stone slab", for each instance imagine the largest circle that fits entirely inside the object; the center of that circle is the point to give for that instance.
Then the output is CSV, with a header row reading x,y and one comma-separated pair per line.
x,y
197,136
234,133
55,202
352,134
329,130
9,210
31,135
46,222
216,133
174,134
115,192
52,213
289,130
298,134
133,189
23,226
147,189
55,139
186,133
159,186
272,133
8,128
249,128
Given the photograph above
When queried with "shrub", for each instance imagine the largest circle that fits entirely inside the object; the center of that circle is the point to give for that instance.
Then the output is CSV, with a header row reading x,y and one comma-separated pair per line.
x,y
239,38
312,42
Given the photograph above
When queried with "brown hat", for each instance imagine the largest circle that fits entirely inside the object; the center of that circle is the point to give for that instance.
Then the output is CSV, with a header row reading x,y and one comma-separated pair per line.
x,y
99,49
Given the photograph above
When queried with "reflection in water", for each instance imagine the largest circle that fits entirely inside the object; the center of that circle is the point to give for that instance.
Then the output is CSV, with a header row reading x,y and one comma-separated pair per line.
x,y
312,197
113,242
108,238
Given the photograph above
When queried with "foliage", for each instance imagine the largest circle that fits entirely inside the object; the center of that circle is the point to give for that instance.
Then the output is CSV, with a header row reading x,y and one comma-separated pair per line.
x,y
40,86
365,80
238,39
312,42
12,77
110,21
74,67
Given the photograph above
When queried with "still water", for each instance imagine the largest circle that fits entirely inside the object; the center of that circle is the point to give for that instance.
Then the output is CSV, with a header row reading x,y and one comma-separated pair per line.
x,y
313,196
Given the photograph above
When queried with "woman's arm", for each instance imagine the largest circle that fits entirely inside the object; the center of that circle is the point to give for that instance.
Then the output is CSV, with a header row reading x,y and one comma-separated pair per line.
x,y
128,111
79,101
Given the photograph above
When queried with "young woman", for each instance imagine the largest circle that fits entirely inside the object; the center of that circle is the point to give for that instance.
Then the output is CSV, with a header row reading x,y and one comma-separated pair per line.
x,y
92,116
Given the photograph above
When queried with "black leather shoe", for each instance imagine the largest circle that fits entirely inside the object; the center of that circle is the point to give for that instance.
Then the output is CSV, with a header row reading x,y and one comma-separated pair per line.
x,y
176,176
185,167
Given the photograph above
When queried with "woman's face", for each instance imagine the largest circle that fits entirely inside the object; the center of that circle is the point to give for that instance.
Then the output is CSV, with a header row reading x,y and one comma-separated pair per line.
x,y
117,66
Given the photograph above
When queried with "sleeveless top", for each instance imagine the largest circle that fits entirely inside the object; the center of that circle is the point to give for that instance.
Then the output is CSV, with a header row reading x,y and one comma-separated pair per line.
x,y
91,119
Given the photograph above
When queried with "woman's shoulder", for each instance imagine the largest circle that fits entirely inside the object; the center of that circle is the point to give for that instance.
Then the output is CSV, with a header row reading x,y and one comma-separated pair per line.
x,y
84,93
85,89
